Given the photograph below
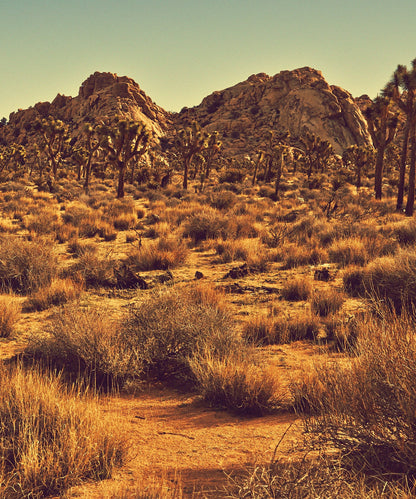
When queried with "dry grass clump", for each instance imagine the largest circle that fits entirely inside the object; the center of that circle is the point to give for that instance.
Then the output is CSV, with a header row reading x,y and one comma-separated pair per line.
x,y
106,231
167,253
208,223
324,475
51,438
294,255
235,382
66,232
9,316
173,325
349,251
388,279
326,302
26,266
59,292
280,329
86,343
405,232
223,200
393,279
78,248
297,289
124,221
238,249
46,221
368,406
93,270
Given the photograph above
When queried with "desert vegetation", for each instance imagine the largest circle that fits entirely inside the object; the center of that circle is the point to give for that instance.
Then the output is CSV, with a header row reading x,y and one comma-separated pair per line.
x,y
279,287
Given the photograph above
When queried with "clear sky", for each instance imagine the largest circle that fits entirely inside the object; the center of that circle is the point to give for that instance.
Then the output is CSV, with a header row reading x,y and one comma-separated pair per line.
x,y
179,51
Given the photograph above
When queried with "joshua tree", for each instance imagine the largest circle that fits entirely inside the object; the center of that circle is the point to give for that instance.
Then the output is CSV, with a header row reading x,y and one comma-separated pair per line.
x,y
124,140
382,124
402,89
56,137
213,148
12,154
316,153
84,154
189,142
359,158
260,158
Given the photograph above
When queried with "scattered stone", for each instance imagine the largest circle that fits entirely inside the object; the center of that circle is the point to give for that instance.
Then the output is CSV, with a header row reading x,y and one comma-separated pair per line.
x,y
238,272
166,277
322,274
199,275
128,279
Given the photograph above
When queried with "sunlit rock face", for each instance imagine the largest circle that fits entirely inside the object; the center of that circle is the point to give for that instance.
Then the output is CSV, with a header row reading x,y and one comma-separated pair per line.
x,y
101,95
300,101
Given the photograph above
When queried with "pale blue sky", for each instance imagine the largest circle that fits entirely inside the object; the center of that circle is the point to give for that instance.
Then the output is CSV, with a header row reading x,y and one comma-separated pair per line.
x,y
179,51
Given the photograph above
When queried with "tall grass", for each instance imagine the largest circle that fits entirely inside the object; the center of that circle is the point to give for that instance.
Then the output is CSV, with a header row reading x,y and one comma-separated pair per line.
x,y
368,406
26,266
51,437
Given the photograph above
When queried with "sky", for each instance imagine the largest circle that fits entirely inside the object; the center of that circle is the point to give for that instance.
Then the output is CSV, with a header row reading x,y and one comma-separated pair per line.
x,y
179,51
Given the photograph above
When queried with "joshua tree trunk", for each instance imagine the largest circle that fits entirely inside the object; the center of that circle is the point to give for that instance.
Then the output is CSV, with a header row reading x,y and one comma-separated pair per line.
x,y
378,173
403,159
412,171
121,175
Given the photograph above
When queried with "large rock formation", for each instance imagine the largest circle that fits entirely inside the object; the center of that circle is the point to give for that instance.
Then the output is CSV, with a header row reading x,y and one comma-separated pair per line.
x,y
300,101
102,94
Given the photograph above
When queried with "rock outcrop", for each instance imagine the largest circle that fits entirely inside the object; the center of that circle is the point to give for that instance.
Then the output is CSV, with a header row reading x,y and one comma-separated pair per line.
x,y
102,94
299,101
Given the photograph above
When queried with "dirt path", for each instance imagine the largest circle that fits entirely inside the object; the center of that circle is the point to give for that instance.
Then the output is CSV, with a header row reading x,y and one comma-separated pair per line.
x,y
172,435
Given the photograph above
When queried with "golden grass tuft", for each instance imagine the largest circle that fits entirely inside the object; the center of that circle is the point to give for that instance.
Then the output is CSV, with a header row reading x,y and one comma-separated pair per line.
x,y
59,292
166,253
236,383
297,289
9,316
52,437
326,302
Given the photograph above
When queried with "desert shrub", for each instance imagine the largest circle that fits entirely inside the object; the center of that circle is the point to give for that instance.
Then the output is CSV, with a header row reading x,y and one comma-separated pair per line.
x,y
93,270
66,232
78,248
302,326
165,254
120,207
124,221
235,382
280,329
259,330
47,221
208,223
297,289
106,231
86,343
393,279
349,251
405,232
26,266
51,438
9,316
174,324
326,301
238,249
223,200
369,405
59,292
294,255
75,213
231,175
354,281
242,226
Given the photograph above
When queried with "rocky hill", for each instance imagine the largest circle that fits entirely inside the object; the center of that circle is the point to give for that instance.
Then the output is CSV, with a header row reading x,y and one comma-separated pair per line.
x,y
102,94
299,101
